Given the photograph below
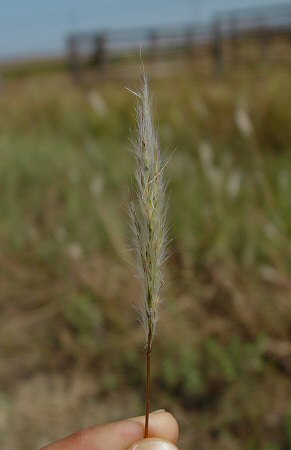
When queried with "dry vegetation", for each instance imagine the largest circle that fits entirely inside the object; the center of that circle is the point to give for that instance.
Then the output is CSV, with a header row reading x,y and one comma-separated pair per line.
x,y
71,353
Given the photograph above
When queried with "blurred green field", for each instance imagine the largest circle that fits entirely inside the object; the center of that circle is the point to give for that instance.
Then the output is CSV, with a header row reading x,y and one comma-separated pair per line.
x,y
71,352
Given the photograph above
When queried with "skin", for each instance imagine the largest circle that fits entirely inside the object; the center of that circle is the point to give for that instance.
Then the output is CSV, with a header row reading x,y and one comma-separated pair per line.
x,y
124,435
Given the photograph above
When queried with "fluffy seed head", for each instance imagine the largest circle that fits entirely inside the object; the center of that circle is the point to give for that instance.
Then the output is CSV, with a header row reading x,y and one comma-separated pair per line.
x,y
148,209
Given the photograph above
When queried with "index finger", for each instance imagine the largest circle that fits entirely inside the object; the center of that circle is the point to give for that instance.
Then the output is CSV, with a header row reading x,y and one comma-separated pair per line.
x,y
119,435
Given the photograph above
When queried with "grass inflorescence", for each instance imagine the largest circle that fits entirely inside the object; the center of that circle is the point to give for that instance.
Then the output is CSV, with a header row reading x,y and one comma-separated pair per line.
x,y
148,213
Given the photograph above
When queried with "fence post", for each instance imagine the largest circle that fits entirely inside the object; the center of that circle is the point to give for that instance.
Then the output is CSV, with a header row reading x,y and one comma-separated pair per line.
x,y
100,51
190,42
234,36
217,47
73,60
153,39
264,39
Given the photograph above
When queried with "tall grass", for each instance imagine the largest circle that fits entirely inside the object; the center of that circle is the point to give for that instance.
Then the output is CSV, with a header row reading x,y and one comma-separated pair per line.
x,y
149,220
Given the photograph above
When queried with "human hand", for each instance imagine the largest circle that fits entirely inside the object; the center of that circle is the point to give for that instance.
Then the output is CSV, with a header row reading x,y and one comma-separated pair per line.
x,y
124,435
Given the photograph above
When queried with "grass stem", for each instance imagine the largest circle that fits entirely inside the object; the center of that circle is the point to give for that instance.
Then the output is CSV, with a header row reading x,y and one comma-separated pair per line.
x,y
148,384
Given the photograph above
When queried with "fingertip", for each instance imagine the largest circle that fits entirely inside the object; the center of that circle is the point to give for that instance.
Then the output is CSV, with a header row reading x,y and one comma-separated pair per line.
x,y
165,426
162,425
153,444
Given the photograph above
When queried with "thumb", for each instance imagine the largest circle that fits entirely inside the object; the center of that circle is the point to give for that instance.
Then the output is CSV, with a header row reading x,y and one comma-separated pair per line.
x,y
153,444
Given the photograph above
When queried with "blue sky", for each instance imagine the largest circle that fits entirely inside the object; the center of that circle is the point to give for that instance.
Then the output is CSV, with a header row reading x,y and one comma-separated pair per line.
x,y
35,27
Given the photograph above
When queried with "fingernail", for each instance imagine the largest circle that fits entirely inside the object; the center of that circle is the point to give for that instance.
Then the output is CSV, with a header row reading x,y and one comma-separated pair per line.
x,y
154,444
158,411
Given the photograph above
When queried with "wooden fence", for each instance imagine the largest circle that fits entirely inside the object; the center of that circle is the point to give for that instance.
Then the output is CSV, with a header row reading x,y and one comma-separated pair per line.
x,y
233,38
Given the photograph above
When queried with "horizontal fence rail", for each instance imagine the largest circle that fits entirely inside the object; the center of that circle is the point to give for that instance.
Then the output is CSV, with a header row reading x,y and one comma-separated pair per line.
x,y
232,38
